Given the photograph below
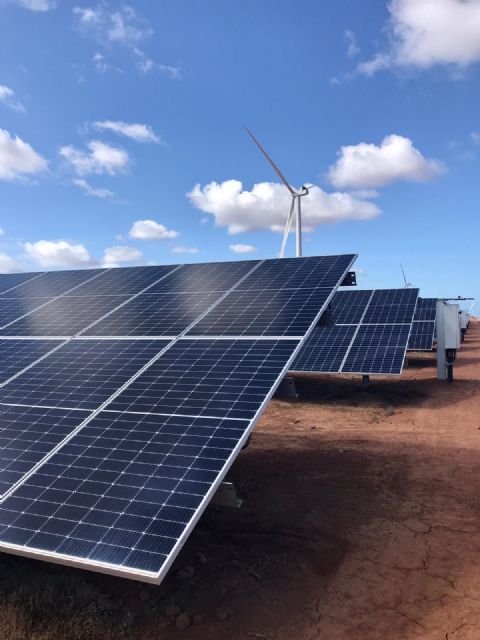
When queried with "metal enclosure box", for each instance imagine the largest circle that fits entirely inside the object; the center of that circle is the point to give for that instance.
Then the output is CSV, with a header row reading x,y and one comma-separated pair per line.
x,y
452,326
463,319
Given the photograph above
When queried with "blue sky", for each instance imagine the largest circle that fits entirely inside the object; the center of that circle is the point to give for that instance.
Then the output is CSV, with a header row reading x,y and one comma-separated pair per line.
x,y
344,95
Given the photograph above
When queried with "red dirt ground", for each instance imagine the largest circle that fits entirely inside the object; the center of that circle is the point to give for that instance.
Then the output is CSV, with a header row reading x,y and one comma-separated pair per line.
x,y
360,522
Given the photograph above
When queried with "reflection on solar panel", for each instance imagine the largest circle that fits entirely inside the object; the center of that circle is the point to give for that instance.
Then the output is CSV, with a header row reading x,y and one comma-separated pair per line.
x,y
423,327
363,332
116,432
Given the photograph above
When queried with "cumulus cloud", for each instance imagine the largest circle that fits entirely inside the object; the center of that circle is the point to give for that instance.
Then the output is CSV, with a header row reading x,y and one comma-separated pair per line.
x,y
18,158
266,206
96,192
351,43
475,136
424,33
100,158
151,230
116,256
365,166
7,97
51,254
8,264
135,131
2,232
242,248
185,250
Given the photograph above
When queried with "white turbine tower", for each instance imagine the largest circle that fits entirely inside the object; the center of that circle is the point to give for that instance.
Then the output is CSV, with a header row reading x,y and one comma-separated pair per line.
x,y
296,197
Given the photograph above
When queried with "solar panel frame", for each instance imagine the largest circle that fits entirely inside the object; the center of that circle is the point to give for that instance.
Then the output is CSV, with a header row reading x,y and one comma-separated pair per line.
x,y
156,576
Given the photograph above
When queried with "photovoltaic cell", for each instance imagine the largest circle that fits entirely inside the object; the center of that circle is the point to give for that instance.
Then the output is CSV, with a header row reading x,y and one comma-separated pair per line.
x,y
82,374
220,378
27,435
125,281
325,349
213,276
13,308
9,281
122,491
54,283
426,310
64,316
423,328
155,314
362,332
378,349
288,312
16,355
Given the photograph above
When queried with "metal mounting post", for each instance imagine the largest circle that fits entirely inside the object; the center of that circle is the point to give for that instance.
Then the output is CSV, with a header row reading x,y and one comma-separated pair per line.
x,y
226,496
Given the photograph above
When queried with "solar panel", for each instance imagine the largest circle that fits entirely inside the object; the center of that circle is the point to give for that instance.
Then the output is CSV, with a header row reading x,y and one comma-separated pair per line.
x,y
423,327
54,283
150,425
16,355
363,332
8,281
13,308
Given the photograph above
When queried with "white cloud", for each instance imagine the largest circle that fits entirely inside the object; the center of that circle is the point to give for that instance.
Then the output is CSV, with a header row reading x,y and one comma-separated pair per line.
x,y
37,5
135,131
365,166
2,232
424,33
18,158
116,256
101,158
185,250
100,63
8,264
151,230
351,42
92,191
50,254
123,26
266,206
7,97
242,248
475,137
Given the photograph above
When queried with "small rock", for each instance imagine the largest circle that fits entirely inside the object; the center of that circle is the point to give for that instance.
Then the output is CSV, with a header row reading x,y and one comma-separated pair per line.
x,y
223,613
296,421
183,621
186,573
172,610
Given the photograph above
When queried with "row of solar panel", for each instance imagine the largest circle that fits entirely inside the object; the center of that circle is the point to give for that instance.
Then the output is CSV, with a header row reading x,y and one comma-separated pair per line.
x,y
165,308
111,448
363,332
424,324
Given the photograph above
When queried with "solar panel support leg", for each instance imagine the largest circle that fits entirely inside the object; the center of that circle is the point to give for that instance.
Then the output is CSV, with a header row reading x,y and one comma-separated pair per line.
x,y
365,380
226,496
286,389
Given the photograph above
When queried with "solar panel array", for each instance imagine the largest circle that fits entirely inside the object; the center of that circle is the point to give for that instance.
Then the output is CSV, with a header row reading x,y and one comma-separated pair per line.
x,y
422,335
363,331
125,395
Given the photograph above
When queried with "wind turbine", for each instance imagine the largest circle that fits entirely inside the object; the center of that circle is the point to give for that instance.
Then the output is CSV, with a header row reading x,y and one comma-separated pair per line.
x,y
407,284
296,197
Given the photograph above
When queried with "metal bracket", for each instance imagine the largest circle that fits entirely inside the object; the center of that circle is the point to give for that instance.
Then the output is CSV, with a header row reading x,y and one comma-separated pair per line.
x,y
226,496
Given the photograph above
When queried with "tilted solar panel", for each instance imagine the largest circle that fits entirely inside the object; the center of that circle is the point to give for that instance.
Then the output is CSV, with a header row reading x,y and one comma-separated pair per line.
x,y
141,429
423,328
363,332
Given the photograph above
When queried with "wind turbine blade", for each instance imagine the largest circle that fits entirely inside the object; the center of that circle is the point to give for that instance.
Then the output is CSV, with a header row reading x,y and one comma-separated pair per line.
x,y
275,168
288,226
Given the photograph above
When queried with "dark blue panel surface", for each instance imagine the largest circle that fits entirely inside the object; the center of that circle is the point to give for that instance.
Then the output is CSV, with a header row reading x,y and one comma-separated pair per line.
x,y
422,336
27,435
378,349
213,276
288,312
82,374
393,306
324,350
155,315
9,281
124,281
123,491
221,378
15,355
65,316
347,307
426,309
54,283
291,273
13,308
